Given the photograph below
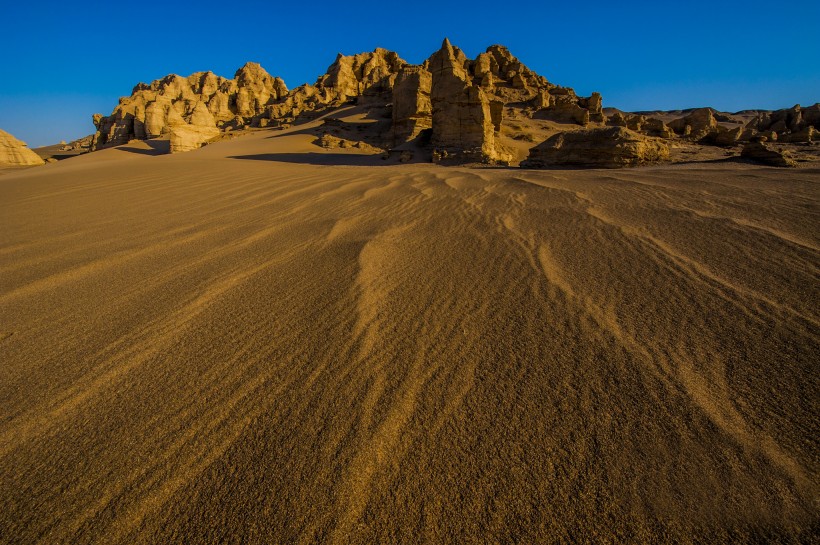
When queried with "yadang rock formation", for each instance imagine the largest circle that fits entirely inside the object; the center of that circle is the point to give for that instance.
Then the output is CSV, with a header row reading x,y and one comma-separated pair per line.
x,y
457,102
412,108
611,147
202,99
795,124
369,75
450,108
14,152
467,101
463,129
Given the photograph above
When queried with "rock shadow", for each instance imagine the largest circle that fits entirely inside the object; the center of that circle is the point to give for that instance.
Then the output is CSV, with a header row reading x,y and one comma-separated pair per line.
x,y
324,159
156,147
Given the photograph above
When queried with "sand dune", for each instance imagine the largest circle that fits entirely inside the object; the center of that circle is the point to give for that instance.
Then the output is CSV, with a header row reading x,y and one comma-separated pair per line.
x,y
254,343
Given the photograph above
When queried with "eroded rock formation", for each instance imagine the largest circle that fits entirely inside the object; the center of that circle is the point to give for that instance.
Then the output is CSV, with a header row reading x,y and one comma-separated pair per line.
x,y
699,124
412,107
795,124
190,137
202,99
370,75
611,147
461,119
14,152
455,109
759,152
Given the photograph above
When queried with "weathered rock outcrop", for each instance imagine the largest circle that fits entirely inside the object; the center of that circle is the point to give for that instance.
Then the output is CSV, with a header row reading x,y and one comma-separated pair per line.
x,y
302,99
699,124
255,89
412,107
467,101
791,120
14,152
202,99
563,105
611,147
648,126
464,110
806,135
369,75
462,122
652,126
758,151
190,137
499,73
727,137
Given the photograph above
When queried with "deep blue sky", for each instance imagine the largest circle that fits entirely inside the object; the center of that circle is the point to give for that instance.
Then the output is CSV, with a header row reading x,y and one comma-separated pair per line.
x,y
63,61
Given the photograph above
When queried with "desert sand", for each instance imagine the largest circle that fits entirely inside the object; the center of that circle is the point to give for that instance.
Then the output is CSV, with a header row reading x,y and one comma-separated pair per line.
x,y
263,341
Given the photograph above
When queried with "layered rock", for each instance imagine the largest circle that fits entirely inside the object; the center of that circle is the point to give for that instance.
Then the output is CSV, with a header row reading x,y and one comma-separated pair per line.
x,y
759,152
499,73
14,152
366,74
461,119
190,137
698,124
412,106
255,89
611,147
506,80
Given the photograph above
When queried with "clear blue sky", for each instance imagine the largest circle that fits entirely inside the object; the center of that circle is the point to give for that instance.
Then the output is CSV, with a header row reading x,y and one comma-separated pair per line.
x,y
63,61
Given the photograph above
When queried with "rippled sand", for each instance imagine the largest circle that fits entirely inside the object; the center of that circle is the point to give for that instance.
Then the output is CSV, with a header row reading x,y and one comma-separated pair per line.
x,y
260,342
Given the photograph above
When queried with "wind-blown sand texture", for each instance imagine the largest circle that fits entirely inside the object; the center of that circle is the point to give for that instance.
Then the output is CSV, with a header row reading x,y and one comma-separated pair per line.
x,y
264,342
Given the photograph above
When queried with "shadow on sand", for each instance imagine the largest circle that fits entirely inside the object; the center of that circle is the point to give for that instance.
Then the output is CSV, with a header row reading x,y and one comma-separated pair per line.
x,y
328,159
155,147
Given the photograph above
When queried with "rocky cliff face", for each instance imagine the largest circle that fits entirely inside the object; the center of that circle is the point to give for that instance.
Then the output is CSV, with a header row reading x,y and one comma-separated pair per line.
x,y
366,75
14,152
412,104
467,101
462,124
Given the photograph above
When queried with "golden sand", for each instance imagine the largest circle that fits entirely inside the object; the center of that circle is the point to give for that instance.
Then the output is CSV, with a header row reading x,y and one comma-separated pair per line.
x,y
265,342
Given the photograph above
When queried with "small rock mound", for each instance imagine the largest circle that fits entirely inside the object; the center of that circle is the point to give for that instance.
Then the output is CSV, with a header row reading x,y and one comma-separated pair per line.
x,y
761,153
190,137
14,152
611,147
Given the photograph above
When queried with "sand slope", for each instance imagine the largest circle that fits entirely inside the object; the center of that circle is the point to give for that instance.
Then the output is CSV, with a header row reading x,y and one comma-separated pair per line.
x,y
249,344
